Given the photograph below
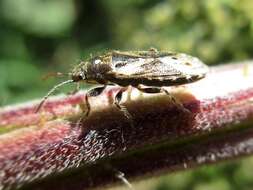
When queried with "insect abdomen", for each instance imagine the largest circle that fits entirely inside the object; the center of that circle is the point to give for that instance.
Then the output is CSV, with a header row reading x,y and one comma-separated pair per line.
x,y
159,82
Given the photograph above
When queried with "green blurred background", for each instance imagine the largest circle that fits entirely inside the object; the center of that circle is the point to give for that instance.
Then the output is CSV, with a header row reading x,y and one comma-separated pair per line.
x,y
42,36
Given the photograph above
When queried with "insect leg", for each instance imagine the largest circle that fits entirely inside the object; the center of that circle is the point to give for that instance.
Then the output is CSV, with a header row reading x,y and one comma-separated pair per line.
x,y
149,90
122,108
121,176
86,109
92,93
162,90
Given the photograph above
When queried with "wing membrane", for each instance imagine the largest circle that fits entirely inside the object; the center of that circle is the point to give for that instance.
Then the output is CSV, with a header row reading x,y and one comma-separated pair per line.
x,y
151,68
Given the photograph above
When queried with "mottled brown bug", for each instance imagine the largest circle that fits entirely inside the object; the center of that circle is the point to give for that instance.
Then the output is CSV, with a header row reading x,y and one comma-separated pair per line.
x,y
147,71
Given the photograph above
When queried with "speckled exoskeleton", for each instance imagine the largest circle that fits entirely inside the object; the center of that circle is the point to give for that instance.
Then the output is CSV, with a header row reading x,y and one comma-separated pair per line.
x,y
148,71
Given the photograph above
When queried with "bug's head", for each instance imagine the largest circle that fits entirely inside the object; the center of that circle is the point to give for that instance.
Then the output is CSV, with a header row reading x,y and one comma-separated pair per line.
x,y
79,73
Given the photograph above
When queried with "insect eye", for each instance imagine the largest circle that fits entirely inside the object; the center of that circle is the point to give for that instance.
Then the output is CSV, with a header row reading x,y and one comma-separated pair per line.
x,y
77,78
97,61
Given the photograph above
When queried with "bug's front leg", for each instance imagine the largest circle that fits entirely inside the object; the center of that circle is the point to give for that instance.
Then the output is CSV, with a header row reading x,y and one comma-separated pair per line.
x,y
122,108
86,109
92,93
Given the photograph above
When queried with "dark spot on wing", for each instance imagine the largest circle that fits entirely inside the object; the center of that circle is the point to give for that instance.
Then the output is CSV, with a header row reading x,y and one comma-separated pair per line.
x,y
187,63
120,64
174,58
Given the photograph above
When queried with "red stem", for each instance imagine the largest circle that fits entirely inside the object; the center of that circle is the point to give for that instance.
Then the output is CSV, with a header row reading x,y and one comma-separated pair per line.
x,y
51,150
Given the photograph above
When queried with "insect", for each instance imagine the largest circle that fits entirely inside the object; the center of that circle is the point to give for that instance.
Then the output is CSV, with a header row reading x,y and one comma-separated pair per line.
x,y
148,71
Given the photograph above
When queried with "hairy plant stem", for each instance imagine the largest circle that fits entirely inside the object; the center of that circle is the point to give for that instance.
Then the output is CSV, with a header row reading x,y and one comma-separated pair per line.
x,y
53,150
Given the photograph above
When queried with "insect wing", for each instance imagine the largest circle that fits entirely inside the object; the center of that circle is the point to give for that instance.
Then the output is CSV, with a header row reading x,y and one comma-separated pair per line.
x,y
164,68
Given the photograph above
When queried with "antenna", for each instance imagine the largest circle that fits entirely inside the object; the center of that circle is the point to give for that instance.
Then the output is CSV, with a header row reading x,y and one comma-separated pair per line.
x,y
50,92
53,74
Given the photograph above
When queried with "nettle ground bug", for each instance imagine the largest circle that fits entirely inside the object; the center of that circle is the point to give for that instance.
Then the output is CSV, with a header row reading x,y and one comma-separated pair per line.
x,y
148,71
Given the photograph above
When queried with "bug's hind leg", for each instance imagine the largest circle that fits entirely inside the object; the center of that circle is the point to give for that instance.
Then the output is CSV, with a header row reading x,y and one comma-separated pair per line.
x,y
150,90
162,90
122,108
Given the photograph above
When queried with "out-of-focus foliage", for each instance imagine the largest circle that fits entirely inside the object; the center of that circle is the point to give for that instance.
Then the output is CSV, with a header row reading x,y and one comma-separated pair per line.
x,y
41,36
216,30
